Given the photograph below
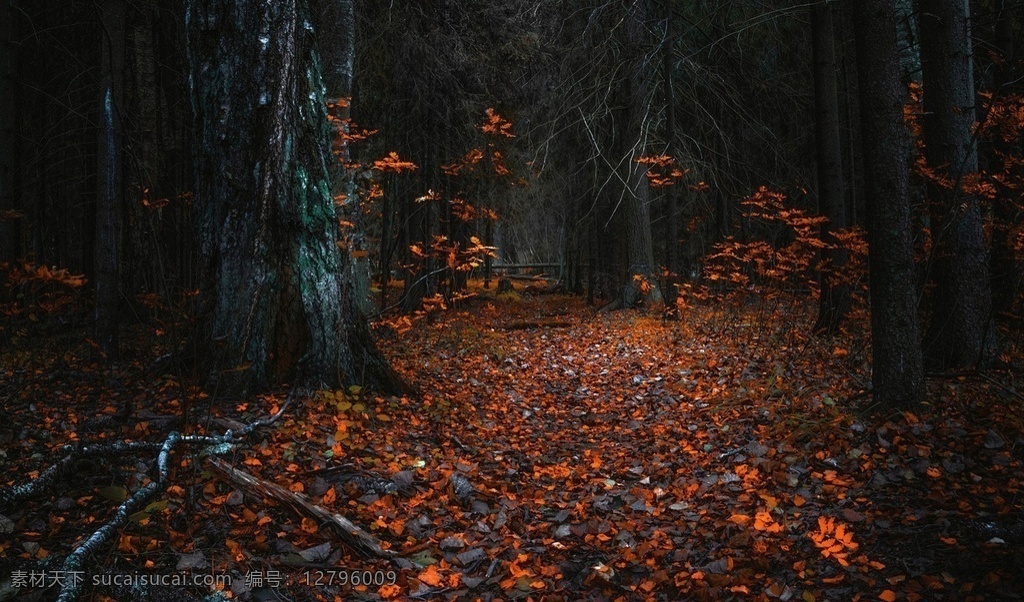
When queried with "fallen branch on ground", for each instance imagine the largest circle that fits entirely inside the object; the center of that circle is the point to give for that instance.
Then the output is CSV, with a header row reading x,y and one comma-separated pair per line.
x,y
75,562
352,534
218,444
526,325
12,495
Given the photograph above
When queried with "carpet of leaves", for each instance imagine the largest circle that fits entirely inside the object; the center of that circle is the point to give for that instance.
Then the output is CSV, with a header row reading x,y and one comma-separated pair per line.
x,y
555,453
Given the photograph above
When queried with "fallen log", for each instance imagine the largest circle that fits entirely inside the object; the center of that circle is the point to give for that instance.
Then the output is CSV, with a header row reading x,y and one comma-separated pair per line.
x,y
349,532
527,325
530,277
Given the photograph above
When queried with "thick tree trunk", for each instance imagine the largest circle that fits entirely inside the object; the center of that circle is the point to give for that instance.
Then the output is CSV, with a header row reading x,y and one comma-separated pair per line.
x,y
854,159
898,373
835,296
110,198
281,309
958,335
639,243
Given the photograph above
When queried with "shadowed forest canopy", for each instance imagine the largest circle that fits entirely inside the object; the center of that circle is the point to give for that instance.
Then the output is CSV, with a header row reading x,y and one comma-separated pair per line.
x,y
511,300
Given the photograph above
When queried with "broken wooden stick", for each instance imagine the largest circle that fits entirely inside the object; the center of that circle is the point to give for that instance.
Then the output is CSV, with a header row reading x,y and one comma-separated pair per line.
x,y
349,532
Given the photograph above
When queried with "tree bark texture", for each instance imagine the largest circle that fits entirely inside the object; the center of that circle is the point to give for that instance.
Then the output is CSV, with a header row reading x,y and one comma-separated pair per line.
x,y
897,371
281,309
110,189
672,192
335,23
639,244
835,296
141,257
9,231
1005,270
961,321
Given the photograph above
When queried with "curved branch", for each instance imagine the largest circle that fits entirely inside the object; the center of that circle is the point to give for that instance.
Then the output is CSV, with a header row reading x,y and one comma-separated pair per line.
x,y
74,563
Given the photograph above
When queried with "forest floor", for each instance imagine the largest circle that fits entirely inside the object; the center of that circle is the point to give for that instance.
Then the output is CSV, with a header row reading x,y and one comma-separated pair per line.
x,y
553,453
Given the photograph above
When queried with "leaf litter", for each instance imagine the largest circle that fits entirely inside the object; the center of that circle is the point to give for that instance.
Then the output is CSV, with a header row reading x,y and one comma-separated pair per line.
x,y
614,457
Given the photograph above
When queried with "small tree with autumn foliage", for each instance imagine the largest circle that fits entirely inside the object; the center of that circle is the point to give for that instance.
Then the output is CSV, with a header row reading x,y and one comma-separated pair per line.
x,y
779,261
466,214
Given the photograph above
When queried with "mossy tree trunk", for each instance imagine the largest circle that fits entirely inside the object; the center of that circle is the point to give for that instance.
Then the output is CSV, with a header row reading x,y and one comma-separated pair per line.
x,y
280,307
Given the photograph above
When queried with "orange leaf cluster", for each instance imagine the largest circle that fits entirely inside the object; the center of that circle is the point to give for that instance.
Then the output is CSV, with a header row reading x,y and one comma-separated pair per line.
x,y
834,540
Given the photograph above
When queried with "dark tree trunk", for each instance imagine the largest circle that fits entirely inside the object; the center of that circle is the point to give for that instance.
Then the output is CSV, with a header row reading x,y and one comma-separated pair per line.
x,y
592,255
897,371
424,222
835,296
489,241
672,192
335,24
1005,270
639,244
110,198
958,332
846,63
9,235
145,175
280,306
336,35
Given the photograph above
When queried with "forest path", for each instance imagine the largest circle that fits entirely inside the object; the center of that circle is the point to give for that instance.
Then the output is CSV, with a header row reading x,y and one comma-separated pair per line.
x,y
712,456
554,452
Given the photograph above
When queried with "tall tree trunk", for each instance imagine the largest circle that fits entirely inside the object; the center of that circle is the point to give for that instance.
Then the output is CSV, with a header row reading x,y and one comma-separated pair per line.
x,y
672,192
281,308
9,235
835,296
897,371
335,23
958,335
639,243
1006,271
110,198
145,175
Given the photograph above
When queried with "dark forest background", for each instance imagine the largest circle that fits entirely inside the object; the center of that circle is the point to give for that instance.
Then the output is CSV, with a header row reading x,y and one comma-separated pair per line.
x,y
649,146
386,254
